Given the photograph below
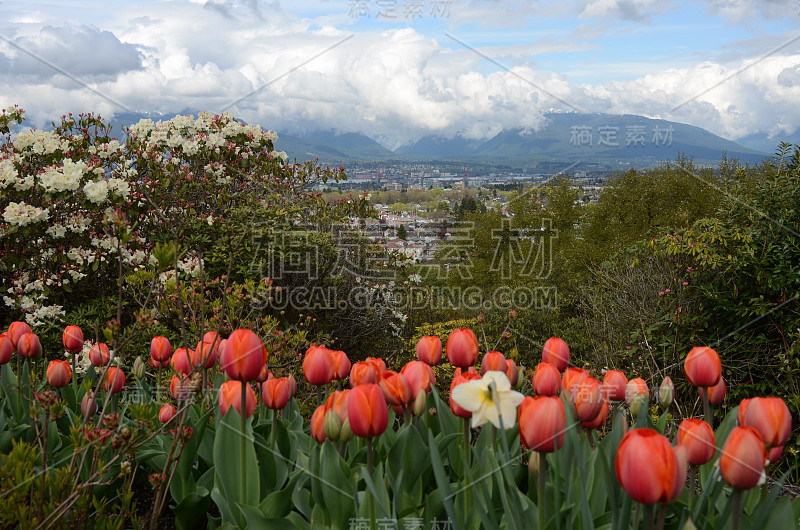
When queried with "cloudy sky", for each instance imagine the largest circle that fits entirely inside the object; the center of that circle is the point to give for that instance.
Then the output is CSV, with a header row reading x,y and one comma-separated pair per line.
x,y
398,70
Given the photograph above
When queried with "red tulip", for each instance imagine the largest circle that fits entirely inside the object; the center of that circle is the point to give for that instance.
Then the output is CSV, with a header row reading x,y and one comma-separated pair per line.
x,y
58,373
367,411
429,350
419,376
556,352
318,365
230,394
265,375
588,398
395,388
99,354
6,348
716,394
614,384
207,352
115,380
743,457
166,413
72,339
292,384
16,330
276,393
512,372
317,424
601,417
160,350
647,467
775,454
341,364
363,372
546,379
28,346
457,380
771,418
183,361
698,439
244,356
462,348
494,361
88,405
703,367
542,421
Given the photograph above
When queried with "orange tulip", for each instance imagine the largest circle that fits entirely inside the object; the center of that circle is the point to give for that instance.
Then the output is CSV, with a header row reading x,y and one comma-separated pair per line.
x,y
542,421
571,377
6,348
318,365
716,394
367,411
244,356
265,375
16,330
58,373
230,394
493,360
181,387
698,439
207,352
775,453
703,367
337,402
636,389
341,364
363,372
380,364
276,393
461,378
429,350
72,339
28,346
166,413
419,376
614,384
556,352
160,350
99,355
771,418
462,348
292,384
587,398
395,388
317,424
743,458
546,379
647,467
115,380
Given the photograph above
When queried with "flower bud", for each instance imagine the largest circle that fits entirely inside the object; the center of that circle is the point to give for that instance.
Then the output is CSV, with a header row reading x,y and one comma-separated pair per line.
x,y
332,425
665,393
139,368
419,403
346,434
533,462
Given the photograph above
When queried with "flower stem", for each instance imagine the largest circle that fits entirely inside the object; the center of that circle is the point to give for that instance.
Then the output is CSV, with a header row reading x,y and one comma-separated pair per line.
x,y
542,483
737,508
692,480
243,424
467,453
272,430
371,498
662,516
707,408
74,378
648,517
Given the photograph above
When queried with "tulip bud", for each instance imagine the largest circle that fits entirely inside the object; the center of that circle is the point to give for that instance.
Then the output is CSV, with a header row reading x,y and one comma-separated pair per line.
x,y
88,405
665,393
332,425
139,368
419,403
166,413
533,462
346,434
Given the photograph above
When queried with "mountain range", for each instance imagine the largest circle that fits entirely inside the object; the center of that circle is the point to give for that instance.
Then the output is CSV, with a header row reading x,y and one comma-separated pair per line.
x,y
609,140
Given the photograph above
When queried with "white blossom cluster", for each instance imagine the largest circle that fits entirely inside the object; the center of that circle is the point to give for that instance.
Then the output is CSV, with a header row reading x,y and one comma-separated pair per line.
x,y
21,214
66,178
45,314
106,150
39,142
8,172
96,191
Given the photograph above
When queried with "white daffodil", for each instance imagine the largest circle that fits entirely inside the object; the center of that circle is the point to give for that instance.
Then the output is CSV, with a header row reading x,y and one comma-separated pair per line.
x,y
489,399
